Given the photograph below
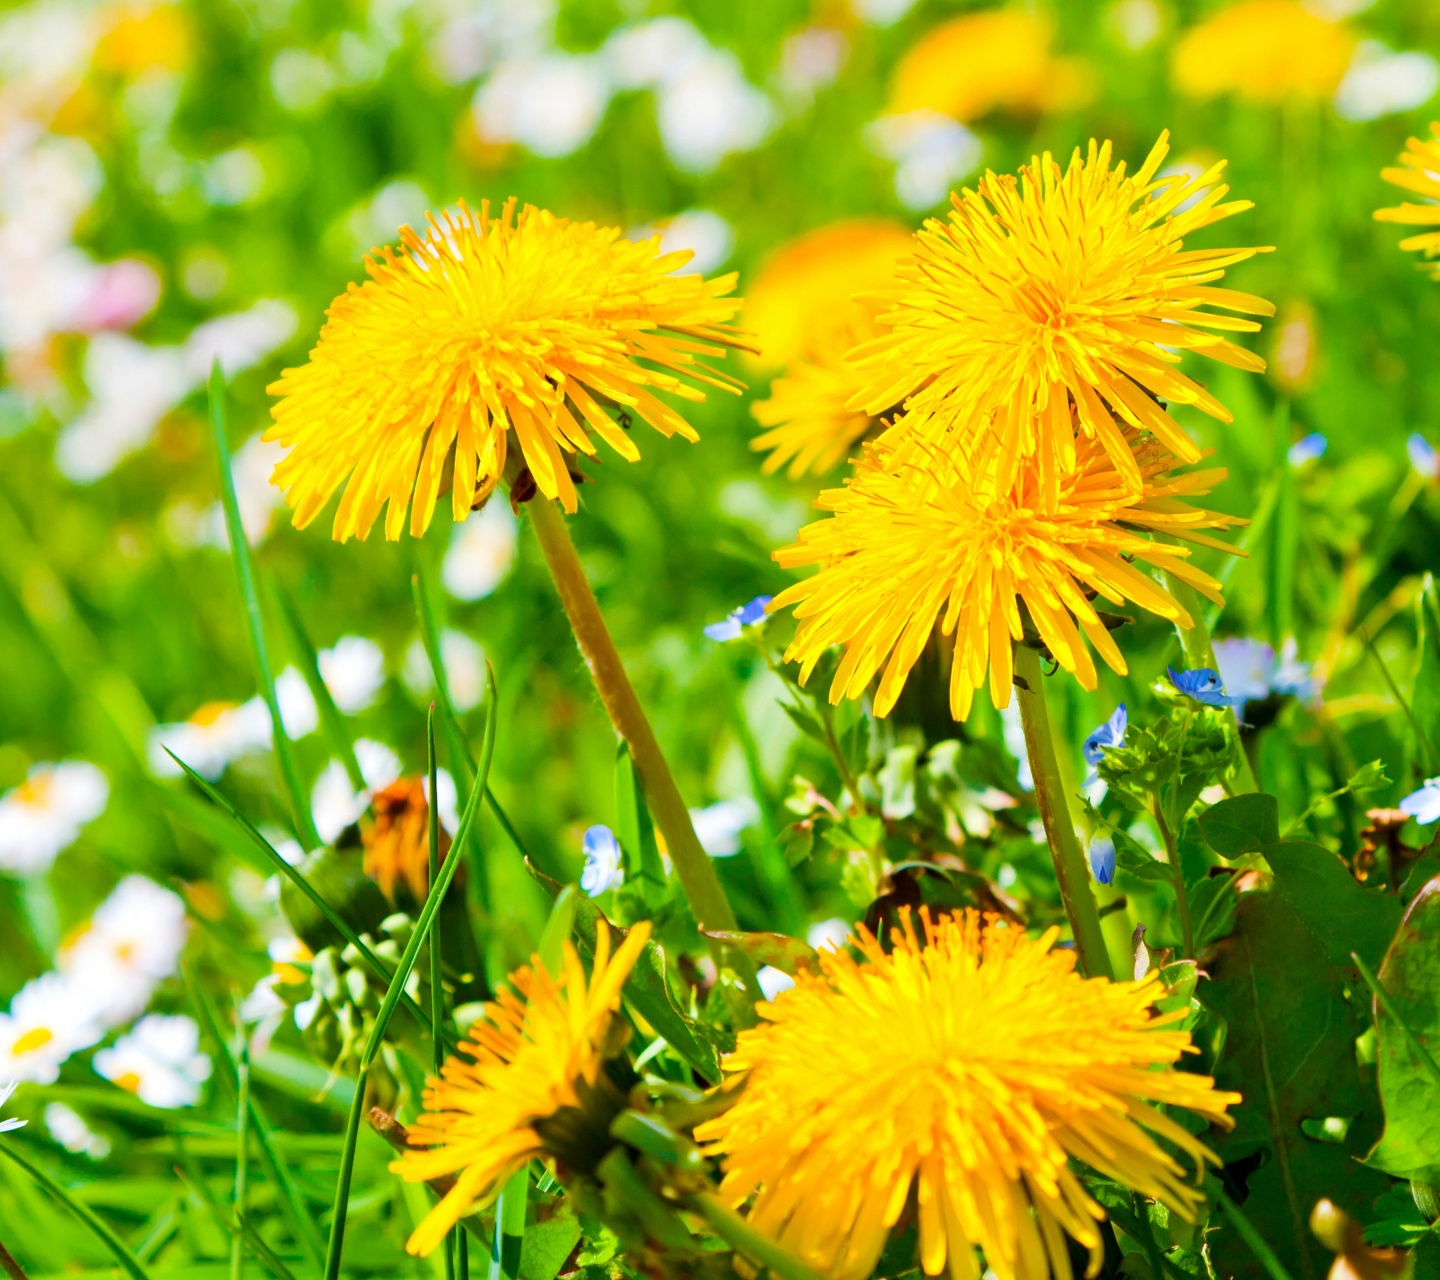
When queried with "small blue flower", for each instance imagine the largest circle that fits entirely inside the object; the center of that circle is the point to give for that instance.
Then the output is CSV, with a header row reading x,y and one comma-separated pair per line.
x,y
1102,858
1251,670
1202,685
1423,456
1109,734
1424,805
604,863
1308,449
734,622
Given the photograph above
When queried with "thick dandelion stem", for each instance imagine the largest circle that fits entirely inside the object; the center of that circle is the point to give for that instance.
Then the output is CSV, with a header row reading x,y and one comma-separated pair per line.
x,y
692,864
1071,870
1200,652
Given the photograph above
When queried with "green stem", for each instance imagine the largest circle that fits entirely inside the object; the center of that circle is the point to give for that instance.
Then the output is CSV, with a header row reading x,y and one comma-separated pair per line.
x,y
1199,653
743,1238
437,990
1177,878
1071,870
1264,1254
692,864
250,597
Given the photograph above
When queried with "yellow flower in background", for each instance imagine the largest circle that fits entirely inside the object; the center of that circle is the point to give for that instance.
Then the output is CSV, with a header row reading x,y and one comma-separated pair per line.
x,y
530,323
804,313
971,1064
982,62
811,425
526,1057
1263,51
1060,287
140,38
916,536
804,293
1419,173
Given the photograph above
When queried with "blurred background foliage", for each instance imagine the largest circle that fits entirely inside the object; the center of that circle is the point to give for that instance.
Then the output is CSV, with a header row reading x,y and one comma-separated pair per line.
x,y
189,181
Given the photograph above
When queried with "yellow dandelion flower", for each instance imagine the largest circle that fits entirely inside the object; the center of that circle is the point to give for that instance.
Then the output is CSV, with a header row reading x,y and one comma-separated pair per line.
x,y
915,537
971,1066
804,313
1000,59
1420,163
532,1054
1263,51
1063,287
806,289
811,425
530,323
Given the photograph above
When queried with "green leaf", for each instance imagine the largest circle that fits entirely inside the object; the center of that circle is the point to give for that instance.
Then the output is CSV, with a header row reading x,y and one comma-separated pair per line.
x,y
1279,981
789,955
647,988
1241,824
798,841
548,1244
633,827
1409,1090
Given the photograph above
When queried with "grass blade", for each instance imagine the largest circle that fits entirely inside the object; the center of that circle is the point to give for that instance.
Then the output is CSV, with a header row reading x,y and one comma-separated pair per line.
x,y
294,875
118,1248
423,924
8,1264
301,1223
437,989
1264,1254
1382,998
331,720
459,748
245,574
242,1152
240,1232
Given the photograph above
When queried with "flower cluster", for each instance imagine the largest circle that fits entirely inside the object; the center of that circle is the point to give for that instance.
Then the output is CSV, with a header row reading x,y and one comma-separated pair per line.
x,y
1032,350
106,974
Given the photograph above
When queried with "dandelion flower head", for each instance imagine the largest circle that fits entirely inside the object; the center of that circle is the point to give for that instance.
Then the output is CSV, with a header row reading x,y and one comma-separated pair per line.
x,y
528,1057
1419,172
1264,51
523,322
997,59
972,1064
1060,287
804,314
916,537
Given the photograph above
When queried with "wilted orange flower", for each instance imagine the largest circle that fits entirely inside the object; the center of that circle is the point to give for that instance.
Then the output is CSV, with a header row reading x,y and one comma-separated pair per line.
x,y
397,843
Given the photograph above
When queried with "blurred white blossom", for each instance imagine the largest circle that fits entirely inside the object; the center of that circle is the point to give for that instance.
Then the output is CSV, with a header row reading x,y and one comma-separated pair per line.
x,y
718,826
159,1061
1380,82
334,802
932,153
464,662
50,1018
810,59
354,672
45,813
481,552
551,104
69,1129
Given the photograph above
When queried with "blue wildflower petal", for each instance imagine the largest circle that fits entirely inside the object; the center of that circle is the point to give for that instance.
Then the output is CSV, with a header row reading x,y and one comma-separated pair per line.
x,y
1308,449
604,862
1203,685
1423,456
1424,805
750,614
728,629
1102,858
1109,734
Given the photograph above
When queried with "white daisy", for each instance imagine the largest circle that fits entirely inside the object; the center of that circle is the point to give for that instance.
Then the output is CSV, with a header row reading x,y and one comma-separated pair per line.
x,y
132,943
50,1018
220,733
9,1126
335,804
482,553
158,1060
44,814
